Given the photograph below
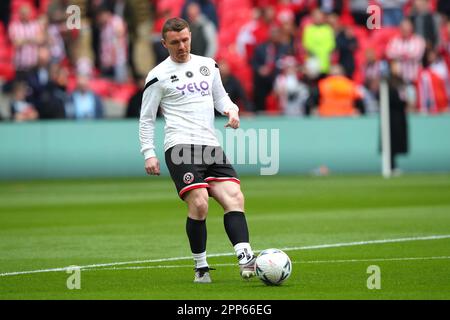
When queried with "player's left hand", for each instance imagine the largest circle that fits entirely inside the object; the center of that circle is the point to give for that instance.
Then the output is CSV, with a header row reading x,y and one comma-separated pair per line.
x,y
233,119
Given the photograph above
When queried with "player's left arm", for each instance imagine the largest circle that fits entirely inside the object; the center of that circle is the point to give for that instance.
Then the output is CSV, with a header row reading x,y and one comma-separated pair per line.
x,y
222,101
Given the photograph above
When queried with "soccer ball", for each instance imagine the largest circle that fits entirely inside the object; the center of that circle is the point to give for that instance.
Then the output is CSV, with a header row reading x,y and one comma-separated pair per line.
x,y
273,266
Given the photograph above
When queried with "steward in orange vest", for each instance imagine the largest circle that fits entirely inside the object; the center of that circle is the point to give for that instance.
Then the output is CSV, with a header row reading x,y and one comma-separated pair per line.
x,y
337,95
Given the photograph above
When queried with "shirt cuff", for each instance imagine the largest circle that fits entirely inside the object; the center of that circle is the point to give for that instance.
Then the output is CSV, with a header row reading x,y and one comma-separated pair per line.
x,y
231,107
149,154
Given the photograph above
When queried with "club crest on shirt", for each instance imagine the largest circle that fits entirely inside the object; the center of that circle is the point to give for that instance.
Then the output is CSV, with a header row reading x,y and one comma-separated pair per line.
x,y
188,178
204,71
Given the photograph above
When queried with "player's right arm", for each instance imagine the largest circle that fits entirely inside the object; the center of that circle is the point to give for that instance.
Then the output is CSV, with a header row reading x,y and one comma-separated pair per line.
x,y
151,99
222,101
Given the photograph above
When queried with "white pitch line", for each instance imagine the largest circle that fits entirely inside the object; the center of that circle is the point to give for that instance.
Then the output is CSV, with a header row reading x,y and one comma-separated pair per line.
x,y
294,262
312,247
375,260
361,243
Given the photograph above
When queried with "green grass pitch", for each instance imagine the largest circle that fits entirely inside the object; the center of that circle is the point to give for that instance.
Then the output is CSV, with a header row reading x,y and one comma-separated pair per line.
x,y
334,229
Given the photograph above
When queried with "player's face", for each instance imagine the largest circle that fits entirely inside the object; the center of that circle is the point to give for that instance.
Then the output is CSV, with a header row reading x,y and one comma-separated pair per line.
x,y
178,44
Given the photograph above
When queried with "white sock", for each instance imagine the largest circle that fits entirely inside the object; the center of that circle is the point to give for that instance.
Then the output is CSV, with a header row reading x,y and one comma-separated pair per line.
x,y
244,252
200,260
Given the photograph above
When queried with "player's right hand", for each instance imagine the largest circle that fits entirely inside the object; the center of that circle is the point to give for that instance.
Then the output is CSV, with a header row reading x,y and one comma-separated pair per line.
x,y
152,166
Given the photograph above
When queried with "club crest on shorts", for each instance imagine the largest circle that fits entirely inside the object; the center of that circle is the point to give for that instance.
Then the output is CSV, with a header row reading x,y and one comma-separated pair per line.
x,y
204,71
188,178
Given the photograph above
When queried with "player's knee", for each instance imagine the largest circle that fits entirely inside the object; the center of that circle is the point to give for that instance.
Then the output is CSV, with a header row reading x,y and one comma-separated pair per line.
x,y
198,205
239,196
201,205
236,197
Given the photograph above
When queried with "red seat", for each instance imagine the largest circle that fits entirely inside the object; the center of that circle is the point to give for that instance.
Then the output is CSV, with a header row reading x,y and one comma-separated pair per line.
x,y
7,71
6,53
15,7
174,6
71,83
361,35
272,104
100,86
44,6
123,92
380,38
239,68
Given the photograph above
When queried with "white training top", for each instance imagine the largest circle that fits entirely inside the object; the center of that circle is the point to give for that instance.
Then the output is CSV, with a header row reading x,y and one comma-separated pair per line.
x,y
187,94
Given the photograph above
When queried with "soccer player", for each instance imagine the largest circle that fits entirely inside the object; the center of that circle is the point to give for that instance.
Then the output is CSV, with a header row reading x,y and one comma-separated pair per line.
x,y
187,88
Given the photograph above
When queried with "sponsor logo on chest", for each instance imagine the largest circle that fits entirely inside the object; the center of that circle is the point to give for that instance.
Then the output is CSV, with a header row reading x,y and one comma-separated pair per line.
x,y
201,87
194,85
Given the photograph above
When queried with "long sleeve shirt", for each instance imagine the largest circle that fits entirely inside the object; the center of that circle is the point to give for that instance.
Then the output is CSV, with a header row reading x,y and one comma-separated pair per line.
x,y
187,94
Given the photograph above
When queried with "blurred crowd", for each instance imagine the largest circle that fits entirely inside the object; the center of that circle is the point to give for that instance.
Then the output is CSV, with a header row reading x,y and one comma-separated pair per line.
x,y
280,57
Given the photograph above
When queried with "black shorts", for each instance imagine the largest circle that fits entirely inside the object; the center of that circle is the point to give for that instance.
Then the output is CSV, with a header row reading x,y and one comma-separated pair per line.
x,y
194,166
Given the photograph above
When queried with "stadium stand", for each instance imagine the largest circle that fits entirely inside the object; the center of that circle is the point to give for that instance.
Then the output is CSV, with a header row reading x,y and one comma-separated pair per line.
x,y
242,25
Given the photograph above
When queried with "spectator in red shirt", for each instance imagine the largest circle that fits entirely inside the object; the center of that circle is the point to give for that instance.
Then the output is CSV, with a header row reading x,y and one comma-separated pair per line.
x,y
113,45
407,49
432,85
26,35
255,32
445,44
